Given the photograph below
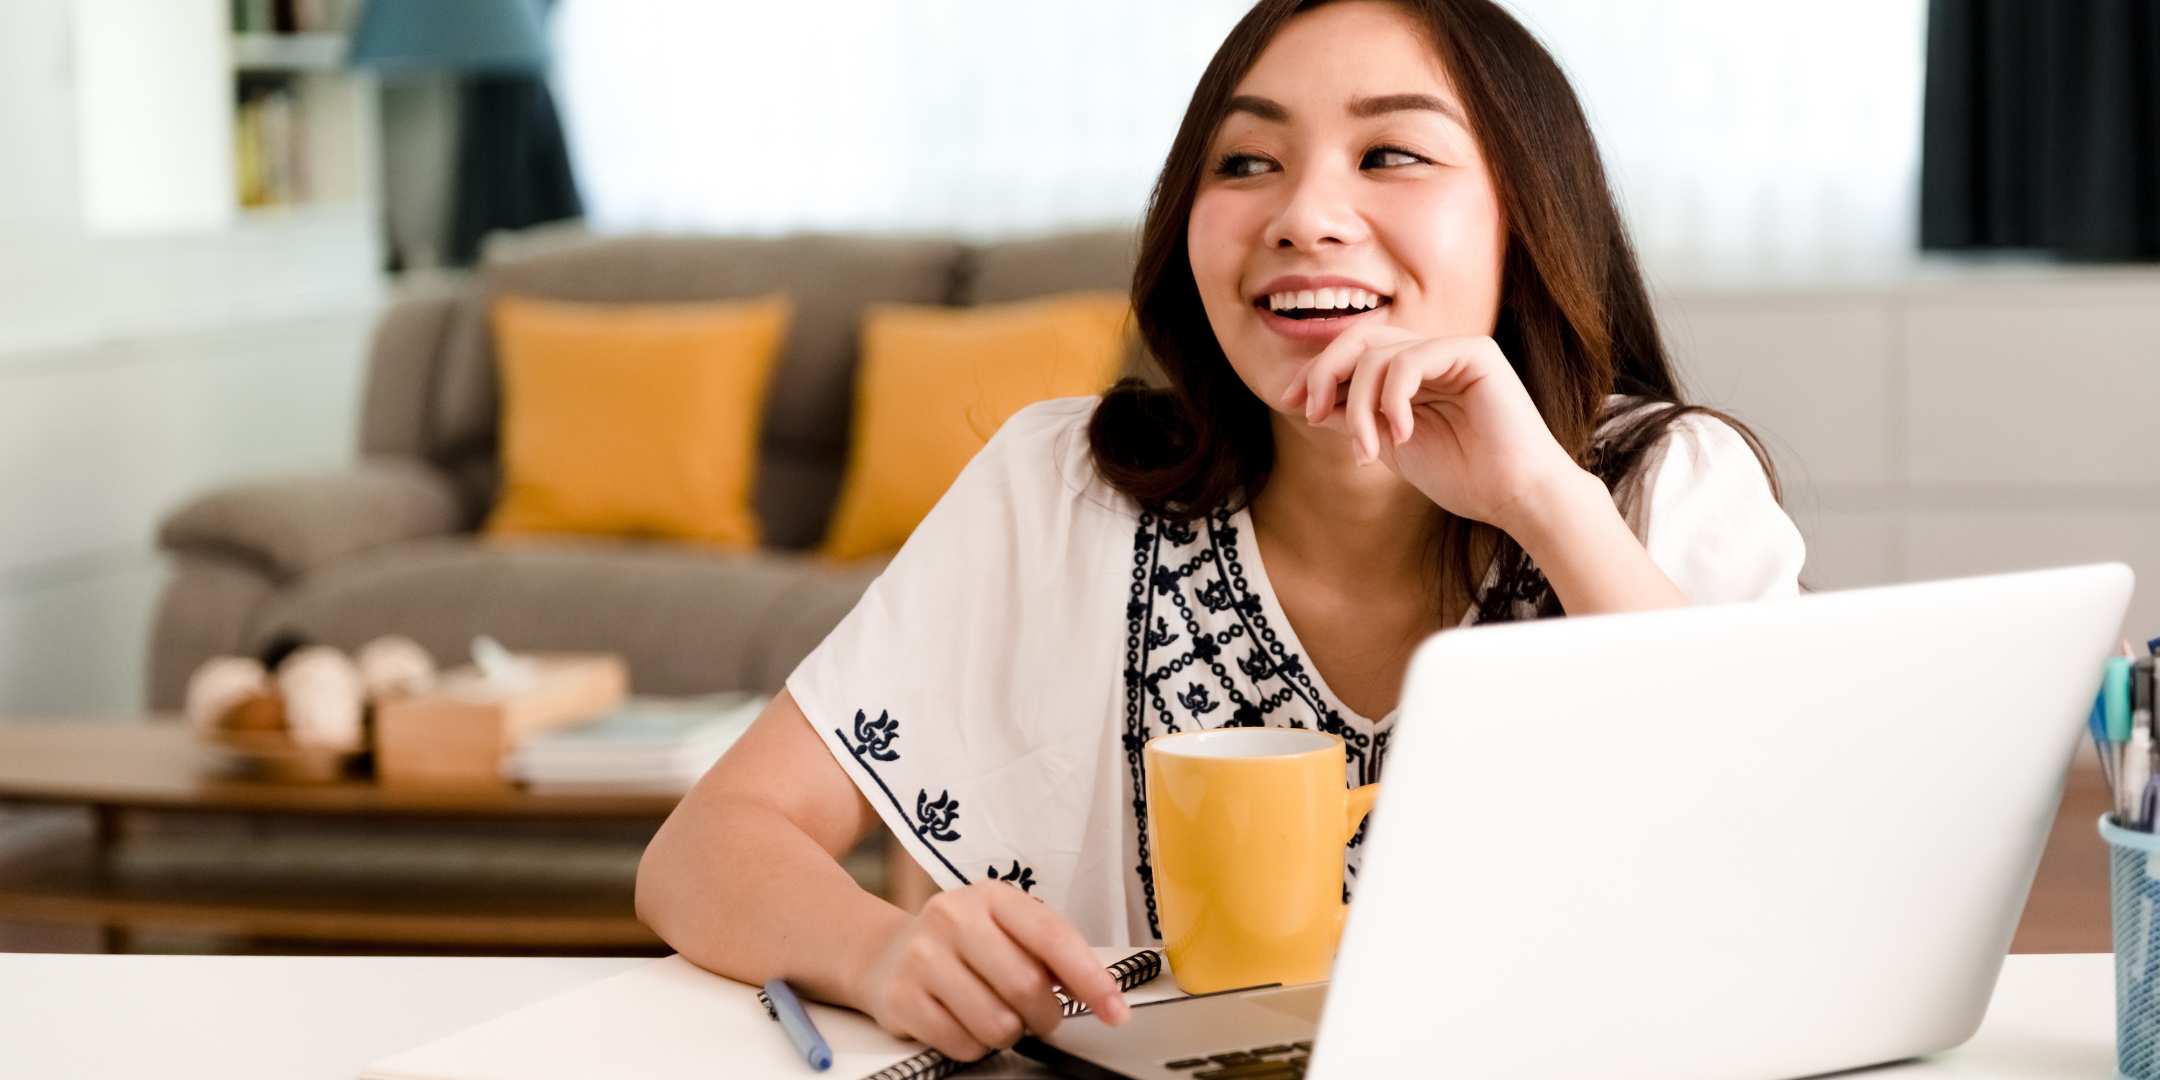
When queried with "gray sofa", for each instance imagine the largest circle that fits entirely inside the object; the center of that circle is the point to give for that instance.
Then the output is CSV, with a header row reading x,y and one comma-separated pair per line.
x,y
388,544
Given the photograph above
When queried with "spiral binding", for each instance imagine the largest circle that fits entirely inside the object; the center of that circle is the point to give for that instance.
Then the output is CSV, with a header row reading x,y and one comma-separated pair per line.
x,y
1138,968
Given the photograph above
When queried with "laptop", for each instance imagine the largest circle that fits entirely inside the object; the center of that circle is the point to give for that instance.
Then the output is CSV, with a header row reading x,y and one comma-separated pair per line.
x,y
1746,840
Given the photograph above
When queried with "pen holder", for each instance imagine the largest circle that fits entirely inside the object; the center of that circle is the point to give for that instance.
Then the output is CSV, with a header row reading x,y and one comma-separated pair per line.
x,y
2134,885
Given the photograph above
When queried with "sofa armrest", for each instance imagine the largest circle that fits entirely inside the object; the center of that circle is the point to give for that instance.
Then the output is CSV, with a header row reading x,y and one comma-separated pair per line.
x,y
293,524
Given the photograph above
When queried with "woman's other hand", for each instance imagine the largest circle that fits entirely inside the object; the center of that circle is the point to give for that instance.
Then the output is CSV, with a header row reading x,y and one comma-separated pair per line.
x,y
973,972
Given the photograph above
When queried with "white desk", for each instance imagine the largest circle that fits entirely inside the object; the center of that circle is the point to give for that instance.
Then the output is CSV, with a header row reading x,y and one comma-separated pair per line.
x,y
304,1017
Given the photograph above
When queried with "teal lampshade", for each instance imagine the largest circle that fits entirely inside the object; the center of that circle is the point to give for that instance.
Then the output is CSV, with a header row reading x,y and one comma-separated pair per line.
x,y
450,35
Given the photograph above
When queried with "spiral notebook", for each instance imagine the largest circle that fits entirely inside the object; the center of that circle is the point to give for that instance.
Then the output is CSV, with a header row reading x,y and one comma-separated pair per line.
x,y
671,1018
1130,972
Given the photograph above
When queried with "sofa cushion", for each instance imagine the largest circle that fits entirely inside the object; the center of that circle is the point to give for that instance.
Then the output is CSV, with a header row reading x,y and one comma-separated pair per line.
x,y
829,277
1041,265
688,620
402,354
1057,263
633,419
937,382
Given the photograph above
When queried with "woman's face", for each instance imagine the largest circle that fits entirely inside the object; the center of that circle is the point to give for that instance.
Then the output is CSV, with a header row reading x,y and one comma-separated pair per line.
x,y
1345,164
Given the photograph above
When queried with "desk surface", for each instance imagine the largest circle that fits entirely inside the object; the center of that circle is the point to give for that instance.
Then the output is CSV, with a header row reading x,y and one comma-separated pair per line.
x,y
326,1017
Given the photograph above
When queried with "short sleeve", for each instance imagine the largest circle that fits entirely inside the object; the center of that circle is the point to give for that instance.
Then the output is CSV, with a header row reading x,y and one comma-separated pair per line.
x,y
967,692
1708,518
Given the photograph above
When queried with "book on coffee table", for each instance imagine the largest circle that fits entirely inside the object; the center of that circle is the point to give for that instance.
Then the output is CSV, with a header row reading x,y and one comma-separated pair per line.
x,y
648,744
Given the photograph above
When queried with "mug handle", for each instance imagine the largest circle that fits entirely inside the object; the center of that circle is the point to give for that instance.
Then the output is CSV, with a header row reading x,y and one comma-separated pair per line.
x,y
1356,807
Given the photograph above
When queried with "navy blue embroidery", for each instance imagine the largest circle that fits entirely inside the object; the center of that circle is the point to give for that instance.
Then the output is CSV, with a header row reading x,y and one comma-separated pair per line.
x,y
1215,596
876,736
1023,876
941,814
937,816
1136,683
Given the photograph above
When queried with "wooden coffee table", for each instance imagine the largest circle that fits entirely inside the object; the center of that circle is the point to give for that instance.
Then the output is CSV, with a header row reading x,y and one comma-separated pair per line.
x,y
377,864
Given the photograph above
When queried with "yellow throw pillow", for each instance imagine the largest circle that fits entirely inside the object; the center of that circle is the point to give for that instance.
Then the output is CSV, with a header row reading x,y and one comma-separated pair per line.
x,y
936,382
634,419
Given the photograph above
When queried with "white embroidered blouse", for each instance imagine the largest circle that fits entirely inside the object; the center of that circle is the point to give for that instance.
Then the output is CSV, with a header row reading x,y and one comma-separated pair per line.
x,y
991,691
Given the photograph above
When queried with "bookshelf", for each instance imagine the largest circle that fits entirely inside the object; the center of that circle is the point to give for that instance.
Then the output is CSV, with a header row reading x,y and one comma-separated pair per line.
x,y
304,124
205,116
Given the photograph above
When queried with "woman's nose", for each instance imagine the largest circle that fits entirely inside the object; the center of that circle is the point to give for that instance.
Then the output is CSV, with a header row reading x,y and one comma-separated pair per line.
x,y
1317,210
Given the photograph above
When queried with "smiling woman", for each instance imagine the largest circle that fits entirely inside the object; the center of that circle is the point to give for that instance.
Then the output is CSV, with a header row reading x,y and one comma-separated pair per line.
x,y
1429,155
1412,384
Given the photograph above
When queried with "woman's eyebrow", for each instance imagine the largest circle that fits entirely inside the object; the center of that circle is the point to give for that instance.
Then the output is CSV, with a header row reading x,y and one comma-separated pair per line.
x,y
1275,112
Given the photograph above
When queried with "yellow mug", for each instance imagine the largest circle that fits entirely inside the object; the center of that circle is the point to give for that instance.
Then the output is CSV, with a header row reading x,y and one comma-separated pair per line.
x,y
1247,827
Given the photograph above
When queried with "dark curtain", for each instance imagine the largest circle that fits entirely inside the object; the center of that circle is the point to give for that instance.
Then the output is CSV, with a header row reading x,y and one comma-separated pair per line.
x,y
2042,128
513,167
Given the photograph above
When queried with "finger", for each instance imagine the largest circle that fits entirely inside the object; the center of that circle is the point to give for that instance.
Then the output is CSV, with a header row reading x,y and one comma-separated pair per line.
x,y
1054,943
1404,376
1456,364
934,1024
1363,415
1334,363
970,1001
1359,406
1329,367
1017,978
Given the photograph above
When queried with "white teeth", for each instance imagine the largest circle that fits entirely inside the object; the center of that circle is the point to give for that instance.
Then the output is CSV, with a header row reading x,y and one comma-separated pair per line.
x,y
1331,299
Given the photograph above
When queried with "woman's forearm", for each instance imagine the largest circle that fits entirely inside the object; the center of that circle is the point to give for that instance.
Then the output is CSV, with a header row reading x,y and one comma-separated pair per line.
x,y
740,890
1593,561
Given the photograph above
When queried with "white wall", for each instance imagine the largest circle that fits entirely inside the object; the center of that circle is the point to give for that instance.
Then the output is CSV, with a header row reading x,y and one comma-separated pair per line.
x,y
1728,148
1938,427
147,74
135,371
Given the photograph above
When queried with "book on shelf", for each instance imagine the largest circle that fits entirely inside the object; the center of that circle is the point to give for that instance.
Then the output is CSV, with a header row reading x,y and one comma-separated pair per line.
x,y
267,139
291,16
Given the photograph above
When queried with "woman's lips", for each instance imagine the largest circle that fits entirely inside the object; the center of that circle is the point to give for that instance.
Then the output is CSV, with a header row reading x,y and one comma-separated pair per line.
x,y
1320,331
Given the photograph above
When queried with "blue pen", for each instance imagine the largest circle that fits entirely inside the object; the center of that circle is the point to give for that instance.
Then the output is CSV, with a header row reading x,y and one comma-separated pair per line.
x,y
788,1009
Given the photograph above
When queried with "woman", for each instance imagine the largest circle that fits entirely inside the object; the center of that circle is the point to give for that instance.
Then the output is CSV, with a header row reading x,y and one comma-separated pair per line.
x,y
1413,383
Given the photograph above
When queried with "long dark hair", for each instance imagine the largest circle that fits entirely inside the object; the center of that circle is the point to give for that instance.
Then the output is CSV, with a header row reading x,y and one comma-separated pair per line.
x,y
1574,319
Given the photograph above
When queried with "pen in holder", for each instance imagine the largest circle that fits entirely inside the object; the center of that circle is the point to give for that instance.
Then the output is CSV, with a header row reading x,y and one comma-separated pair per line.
x,y
2134,885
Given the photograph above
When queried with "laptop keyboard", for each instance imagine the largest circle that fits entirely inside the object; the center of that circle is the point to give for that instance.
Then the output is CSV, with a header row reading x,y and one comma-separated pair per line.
x,y
1278,1061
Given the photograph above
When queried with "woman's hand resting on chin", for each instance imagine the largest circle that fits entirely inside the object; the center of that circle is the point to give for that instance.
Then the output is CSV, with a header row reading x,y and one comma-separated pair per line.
x,y
1447,414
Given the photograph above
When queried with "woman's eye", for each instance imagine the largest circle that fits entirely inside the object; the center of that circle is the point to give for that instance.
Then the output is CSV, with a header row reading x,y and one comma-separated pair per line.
x,y
1383,152
1233,165
1238,166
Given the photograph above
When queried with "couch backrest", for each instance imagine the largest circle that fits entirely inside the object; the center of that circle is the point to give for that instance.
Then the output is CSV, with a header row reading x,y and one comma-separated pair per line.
x,y
831,277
